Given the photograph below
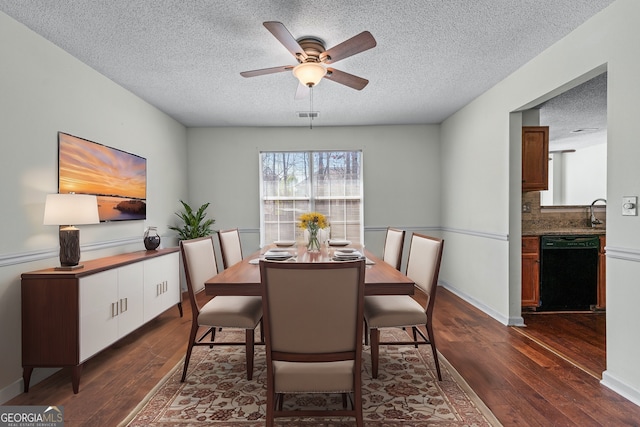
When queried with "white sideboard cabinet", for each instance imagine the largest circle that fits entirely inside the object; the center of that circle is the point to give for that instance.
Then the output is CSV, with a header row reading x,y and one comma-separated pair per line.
x,y
161,285
69,316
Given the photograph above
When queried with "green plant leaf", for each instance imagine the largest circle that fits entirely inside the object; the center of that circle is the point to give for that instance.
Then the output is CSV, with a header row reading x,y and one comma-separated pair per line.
x,y
194,225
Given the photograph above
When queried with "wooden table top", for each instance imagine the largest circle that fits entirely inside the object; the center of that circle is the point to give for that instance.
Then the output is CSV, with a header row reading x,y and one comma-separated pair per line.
x,y
243,278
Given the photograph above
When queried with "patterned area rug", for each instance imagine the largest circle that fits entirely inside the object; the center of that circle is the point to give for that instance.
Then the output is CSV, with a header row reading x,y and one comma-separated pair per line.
x,y
406,392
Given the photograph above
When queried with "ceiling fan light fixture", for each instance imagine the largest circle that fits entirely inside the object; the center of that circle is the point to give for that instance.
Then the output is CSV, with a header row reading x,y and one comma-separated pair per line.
x,y
309,73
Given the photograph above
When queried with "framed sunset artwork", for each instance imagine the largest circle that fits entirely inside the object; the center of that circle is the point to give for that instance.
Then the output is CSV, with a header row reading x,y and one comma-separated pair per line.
x,y
117,178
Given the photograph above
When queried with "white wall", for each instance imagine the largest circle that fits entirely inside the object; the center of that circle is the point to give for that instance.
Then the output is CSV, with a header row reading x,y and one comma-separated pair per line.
x,y
44,90
577,178
580,182
481,190
401,173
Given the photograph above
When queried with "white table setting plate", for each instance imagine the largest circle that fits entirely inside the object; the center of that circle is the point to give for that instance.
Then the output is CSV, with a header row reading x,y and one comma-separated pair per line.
x,y
336,242
347,256
277,255
284,243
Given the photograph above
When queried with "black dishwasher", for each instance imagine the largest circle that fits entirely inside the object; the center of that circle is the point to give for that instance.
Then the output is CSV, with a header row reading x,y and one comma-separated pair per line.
x,y
568,273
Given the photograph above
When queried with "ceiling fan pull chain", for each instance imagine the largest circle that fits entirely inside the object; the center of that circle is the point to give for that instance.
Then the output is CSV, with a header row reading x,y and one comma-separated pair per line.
x,y
310,106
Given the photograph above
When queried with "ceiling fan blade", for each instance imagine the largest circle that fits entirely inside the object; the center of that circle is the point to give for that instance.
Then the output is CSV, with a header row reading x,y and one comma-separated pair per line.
x,y
354,82
302,91
263,71
284,36
356,44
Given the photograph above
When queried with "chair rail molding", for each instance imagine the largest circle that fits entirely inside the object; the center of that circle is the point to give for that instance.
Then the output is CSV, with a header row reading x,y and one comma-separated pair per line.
x,y
626,254
25,257
484,234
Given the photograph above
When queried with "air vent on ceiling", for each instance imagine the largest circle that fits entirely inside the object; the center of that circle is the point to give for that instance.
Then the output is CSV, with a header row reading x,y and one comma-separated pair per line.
x,y
307,114
584,130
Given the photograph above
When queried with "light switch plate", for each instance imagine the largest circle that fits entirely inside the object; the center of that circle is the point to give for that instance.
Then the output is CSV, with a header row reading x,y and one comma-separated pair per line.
x,y
630,205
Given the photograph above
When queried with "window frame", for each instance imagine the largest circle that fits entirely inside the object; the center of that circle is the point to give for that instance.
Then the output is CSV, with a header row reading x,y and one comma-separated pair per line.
x,y
312,197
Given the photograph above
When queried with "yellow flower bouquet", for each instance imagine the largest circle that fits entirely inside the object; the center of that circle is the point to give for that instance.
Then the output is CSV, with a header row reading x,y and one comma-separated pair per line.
x,y
313,222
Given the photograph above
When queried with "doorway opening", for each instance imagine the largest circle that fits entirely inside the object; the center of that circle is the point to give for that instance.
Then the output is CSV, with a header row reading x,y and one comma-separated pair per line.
x,y
577,120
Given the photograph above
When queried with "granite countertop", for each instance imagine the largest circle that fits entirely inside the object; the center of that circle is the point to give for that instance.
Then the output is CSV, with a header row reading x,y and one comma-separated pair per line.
x,y
592,231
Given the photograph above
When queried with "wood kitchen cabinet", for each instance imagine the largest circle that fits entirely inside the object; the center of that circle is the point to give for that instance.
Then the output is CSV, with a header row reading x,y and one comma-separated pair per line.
x,y
530,272
69,316
602,275
535,158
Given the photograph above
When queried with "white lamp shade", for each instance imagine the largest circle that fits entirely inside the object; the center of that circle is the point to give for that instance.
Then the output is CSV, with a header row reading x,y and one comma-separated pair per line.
x,y
309,73
71,209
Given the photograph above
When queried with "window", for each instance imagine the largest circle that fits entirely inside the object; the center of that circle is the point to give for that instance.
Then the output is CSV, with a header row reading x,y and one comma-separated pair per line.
x,y
329,182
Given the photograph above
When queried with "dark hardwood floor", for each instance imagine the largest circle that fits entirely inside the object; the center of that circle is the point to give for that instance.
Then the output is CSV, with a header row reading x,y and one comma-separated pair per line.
x,y
578,337
522,382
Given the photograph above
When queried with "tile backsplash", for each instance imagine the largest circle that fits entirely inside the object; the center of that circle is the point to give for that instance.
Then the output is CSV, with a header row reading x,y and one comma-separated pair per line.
x,y
537,221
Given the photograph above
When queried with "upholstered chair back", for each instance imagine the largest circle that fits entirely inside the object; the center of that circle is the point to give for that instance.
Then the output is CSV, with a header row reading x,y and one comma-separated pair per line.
x,y
423,264
393,245
313,309
230,247
199,261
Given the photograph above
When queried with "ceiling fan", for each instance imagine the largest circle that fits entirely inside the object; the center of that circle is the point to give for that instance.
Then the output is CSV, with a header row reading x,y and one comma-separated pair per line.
x,y
312,57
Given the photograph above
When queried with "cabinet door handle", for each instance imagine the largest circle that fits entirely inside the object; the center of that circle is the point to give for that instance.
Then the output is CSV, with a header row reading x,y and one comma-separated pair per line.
x,y
114,309
124,305
165,286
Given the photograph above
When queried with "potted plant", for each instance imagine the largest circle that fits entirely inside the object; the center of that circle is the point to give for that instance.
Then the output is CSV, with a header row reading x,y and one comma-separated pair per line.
x,y
194,224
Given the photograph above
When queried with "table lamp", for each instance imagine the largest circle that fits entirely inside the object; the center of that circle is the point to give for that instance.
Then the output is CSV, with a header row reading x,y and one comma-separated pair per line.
x,y
67,209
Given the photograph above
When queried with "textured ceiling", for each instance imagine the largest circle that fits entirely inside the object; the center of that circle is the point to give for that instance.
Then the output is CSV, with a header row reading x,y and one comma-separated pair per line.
x,y
432,56
577,118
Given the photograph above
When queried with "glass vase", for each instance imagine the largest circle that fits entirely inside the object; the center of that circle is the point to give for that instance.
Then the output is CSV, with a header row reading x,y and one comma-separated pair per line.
x,y
314,244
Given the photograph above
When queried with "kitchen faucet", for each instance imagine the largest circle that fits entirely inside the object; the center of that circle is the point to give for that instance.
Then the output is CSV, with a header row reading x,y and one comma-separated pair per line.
x,y
595,221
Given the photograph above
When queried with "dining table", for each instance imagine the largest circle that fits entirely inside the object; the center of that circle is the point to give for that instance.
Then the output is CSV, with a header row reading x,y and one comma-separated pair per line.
x,y
243,278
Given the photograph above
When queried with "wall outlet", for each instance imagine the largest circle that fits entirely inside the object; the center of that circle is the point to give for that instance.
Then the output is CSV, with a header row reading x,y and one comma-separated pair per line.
x,y
630,205
526,207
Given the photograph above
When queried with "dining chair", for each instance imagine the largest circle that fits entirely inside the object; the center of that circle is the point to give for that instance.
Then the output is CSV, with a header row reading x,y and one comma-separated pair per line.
x,y
391,254
230,247
313,314
393,245
387,311
244,312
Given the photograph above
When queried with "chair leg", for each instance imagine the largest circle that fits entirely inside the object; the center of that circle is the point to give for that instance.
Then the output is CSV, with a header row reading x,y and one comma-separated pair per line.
x,y
187,357
344,400
271,407
357,406
213,335
415,335
433,349
249,350
280,400
375,348
366,333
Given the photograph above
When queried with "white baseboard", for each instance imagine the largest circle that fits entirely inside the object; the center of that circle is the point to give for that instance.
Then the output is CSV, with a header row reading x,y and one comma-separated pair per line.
x,y
17,387
516,321
477,304
620,387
